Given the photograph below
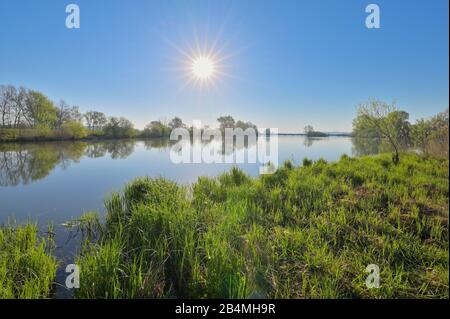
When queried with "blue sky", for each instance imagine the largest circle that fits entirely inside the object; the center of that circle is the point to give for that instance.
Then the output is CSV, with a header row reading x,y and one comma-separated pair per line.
x,y
288,63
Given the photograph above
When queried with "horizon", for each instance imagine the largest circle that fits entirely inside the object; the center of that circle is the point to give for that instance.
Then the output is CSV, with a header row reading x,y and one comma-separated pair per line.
x,y
312,64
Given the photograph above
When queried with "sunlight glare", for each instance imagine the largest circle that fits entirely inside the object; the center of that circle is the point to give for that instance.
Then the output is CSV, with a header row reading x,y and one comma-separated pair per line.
x,y
203,68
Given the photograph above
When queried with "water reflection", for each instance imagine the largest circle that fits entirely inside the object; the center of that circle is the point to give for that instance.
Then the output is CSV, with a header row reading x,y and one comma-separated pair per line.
x,y
30,162
119,149
308,141
25,163
370,146
163,144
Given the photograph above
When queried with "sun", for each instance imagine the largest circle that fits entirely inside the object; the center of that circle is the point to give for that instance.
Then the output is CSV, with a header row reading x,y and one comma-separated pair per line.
x,y
203,68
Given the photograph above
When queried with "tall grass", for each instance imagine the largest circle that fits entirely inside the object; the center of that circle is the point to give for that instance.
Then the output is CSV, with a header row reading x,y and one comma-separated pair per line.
x,y
27,269
302,232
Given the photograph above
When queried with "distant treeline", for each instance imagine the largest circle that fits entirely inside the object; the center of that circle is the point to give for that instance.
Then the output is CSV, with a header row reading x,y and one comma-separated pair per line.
x,y
310,132
29,115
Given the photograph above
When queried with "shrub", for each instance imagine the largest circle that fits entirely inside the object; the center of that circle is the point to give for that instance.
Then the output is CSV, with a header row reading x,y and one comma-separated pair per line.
x,y
75,130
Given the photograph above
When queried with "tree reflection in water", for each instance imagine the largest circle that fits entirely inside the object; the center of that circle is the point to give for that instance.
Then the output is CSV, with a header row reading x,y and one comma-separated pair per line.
x,y
370,146
23,163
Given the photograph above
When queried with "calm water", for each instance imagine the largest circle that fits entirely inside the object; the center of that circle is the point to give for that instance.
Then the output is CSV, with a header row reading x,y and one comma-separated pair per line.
x,y
57,181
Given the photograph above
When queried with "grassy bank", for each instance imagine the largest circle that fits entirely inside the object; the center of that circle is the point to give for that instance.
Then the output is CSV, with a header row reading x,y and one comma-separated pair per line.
x,y
27,269
302,232
47,135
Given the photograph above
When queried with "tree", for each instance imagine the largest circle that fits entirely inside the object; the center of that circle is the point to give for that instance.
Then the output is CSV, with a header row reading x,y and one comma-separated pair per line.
x,y
7,96
310,132
156,129
39,110
66,113
119,127
245,125
95,120
20,106
431,135
176,122
308,129
226,122
13,107
381,120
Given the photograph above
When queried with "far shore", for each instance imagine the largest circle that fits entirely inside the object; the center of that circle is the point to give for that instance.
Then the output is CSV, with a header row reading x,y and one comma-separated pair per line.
x,y
37,139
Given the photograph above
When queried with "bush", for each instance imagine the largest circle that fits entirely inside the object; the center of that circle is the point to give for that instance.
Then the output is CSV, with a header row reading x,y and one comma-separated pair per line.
x,y
75,130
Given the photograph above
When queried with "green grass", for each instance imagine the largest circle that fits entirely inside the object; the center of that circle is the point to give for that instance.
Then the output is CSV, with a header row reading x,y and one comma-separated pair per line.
x,y
303,232
46,134
27,269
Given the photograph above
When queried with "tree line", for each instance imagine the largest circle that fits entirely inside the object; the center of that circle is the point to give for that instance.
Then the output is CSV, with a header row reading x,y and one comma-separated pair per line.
x,y
163,128
27,114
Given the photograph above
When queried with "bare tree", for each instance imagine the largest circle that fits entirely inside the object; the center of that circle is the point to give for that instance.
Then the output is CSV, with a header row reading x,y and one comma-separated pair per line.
x,y
8,95
20,100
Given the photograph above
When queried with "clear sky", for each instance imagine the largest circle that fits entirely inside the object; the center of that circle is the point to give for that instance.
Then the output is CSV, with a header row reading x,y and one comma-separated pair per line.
x,y
287,63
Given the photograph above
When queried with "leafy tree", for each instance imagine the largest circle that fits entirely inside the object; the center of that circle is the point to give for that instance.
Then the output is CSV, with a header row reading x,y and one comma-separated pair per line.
x,y
95,120
308,129
40,110
421,132
226,122
176,122
310,132
381,120
156,129
431,135
245,125
119,127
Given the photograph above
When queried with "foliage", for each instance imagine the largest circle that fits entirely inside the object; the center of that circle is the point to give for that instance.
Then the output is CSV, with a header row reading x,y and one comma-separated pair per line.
x,y
157,129
380,120
40,111
176,122
245,125
310,132
95,120
75,130
66,114
431,135
27,270
119,128
226,122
